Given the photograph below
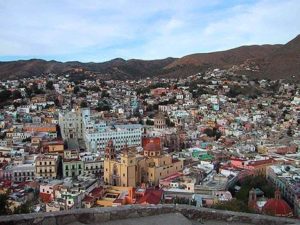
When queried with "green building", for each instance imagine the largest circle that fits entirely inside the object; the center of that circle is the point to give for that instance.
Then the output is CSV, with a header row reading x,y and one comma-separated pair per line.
x,y
72,167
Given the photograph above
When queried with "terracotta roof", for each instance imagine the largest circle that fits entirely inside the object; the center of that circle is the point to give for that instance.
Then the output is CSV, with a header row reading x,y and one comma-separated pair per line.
x,y
88,199
151,197
261,162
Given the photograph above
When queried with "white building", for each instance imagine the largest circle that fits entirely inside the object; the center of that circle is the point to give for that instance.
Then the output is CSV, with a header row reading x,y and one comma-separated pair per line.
x,y
71,123
97,134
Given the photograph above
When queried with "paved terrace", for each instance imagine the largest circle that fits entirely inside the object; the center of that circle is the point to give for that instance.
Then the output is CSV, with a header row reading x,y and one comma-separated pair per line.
x,y
144,215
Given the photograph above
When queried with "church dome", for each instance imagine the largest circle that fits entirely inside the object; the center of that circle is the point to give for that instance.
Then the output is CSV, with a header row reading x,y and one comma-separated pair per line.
x,y
277,207
152,146
152,149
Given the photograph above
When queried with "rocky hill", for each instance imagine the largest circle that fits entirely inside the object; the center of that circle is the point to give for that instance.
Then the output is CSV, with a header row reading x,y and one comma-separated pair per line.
x,y
264,61
283,62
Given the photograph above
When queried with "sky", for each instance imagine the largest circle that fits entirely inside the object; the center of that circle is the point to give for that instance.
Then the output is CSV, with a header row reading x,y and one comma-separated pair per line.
x,y
100,30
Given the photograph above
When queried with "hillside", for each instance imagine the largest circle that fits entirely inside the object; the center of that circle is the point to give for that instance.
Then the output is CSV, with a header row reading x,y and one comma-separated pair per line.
x,y
271,61
283,62
226,58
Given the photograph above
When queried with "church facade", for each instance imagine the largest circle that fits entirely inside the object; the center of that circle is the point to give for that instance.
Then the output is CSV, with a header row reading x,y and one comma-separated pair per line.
x,y
132,169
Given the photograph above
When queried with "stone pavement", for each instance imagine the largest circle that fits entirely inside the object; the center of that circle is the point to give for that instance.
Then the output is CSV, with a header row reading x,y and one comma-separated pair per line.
x,y
163,219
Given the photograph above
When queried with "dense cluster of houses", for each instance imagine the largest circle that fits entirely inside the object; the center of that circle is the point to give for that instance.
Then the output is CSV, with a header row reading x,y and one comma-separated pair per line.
x,y
67,143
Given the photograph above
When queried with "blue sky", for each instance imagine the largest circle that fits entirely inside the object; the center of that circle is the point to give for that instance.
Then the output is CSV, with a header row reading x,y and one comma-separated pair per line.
x,y
98,30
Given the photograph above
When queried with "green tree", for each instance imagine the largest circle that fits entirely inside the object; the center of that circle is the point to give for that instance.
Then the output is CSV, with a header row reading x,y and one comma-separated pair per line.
x,y
83,104
49,85
76,90
250,182
290,132
169,123
104,94
28,92
232,205
5,95
16,94
4,205
149,122
56,102
23,208
36,90
209,132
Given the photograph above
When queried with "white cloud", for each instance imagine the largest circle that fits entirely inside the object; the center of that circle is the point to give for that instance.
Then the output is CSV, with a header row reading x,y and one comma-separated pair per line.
x,y
97,30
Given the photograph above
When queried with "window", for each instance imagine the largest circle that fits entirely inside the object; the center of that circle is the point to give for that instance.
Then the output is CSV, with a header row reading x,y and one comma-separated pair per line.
x,y
123,174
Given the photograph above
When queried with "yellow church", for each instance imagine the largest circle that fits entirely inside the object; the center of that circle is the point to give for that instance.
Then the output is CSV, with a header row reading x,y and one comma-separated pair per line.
x,y
133,168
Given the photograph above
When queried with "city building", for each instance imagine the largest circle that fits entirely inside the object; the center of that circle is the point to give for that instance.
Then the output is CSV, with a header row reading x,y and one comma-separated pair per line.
x,y
46,166
133,169
97,134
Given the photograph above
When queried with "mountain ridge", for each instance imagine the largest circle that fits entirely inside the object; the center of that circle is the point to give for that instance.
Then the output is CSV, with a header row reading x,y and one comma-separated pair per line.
x,y
270,61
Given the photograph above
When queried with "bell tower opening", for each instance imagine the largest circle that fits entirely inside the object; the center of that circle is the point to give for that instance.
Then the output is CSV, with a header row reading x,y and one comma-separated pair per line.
x,y
110,151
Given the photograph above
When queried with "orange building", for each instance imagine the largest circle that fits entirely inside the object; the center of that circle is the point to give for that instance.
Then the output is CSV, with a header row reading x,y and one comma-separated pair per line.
x,y
56,146
257,167
40,128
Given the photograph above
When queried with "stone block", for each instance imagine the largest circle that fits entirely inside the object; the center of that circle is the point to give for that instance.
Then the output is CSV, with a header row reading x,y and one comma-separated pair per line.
x,y
101,217
65,219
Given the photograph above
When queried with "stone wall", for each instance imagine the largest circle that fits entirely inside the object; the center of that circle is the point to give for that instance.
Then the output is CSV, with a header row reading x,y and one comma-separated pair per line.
x,y
98,215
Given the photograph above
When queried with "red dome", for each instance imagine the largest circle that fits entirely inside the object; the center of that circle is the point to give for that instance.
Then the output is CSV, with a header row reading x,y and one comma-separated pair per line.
x,y
152,146
277,207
